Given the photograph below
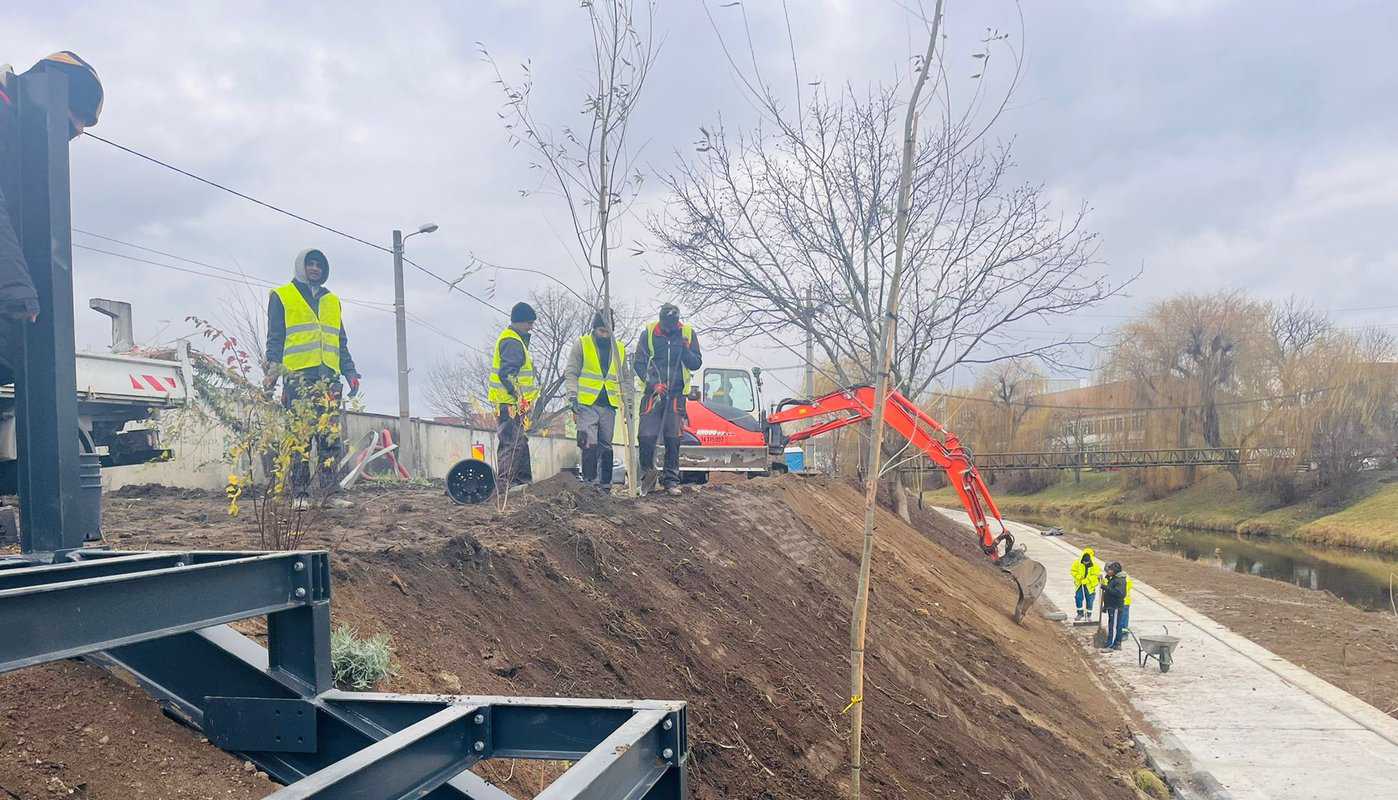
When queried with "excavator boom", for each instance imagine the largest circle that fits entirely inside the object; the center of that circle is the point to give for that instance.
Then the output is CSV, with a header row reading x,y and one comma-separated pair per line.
x,y
856,404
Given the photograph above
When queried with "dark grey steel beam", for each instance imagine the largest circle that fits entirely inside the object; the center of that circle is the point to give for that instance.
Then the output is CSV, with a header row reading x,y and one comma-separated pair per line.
x,y
624,766
548,728
61,620
46,397
408,764
185,671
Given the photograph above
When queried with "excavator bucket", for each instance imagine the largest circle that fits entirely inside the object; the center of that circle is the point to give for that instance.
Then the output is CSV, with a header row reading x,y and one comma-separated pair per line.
x,y
1029,576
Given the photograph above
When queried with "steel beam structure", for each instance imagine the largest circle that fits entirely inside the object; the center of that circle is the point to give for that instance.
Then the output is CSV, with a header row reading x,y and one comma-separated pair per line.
x,y
153,615
60,611
409,763
46,395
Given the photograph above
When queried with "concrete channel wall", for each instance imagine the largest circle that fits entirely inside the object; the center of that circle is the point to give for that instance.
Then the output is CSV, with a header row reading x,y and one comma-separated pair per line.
x,y
199,446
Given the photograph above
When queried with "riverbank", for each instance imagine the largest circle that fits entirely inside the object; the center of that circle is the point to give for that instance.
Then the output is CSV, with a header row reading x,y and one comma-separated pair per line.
x,y
1234,718
1354,649
1368,519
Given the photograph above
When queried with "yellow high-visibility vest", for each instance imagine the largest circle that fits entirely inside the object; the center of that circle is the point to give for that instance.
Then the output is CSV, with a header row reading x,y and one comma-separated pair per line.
x,y
523,380
1126,601
591,381
312,339
686,331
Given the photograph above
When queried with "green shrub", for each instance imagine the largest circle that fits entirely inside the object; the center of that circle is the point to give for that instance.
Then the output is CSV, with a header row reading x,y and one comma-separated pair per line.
x,y
359,664
1150,783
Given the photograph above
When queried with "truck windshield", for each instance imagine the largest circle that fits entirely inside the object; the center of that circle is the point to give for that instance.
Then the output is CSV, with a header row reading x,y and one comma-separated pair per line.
x,y
729,387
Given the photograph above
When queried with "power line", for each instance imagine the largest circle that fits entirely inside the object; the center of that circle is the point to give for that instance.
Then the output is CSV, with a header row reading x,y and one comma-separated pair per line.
x,y
451,286
237,193
236,277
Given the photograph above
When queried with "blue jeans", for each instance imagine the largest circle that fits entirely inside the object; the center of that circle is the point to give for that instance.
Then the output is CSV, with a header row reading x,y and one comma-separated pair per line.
x,y
1084,596
1116,625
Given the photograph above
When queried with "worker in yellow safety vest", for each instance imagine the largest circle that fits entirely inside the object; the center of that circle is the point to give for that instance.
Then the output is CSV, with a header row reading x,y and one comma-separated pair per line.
x,y
593,378
513,391
667,355
1087,574
1116,602
308,349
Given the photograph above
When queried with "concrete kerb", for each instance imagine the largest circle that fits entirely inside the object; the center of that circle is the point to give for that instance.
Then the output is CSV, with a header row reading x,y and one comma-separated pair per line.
x,y
1169,760
1356,710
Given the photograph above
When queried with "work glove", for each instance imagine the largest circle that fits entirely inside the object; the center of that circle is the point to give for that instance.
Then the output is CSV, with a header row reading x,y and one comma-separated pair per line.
x,y
354,385
659,389
269,380
574,403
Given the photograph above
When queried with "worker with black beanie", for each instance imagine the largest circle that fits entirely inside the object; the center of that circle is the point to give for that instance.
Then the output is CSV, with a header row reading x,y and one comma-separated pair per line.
x,y
513,391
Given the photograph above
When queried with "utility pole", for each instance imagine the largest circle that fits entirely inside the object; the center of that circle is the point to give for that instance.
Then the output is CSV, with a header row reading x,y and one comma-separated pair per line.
x,y
405,430
808,447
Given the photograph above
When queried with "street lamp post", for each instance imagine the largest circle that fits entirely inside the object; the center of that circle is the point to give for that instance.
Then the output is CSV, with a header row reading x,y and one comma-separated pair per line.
x,y
406,449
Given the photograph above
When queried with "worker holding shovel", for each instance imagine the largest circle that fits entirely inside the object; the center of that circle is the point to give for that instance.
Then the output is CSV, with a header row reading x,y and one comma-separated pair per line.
x,y
1116,604
667,354
1087,575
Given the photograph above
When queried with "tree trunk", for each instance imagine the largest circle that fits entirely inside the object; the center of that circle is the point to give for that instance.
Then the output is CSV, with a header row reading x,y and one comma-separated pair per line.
x,y
859,621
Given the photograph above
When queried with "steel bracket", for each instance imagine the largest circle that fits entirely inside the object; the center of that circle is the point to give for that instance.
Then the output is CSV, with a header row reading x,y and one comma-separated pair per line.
x,y
259,723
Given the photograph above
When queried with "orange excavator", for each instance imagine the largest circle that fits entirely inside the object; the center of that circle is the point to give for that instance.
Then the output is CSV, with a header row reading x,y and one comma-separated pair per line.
x,y
856,404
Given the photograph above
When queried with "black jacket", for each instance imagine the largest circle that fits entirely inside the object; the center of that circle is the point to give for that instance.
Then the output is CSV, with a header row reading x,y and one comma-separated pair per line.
x,y
670,359
1114,591
17,295
276,328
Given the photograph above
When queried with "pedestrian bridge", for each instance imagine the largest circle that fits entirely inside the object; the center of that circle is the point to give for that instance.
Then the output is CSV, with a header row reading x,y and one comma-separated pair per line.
x,y
1130,459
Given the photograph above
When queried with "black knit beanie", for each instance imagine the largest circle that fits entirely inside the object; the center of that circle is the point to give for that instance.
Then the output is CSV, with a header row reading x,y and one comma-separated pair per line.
x,y
522,312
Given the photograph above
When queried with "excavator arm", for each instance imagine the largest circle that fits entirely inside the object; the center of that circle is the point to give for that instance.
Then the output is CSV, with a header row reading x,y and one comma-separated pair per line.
x,y
856,404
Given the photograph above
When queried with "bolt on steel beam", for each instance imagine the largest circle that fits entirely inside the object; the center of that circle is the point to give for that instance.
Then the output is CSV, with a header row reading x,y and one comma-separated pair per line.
x,y
407,764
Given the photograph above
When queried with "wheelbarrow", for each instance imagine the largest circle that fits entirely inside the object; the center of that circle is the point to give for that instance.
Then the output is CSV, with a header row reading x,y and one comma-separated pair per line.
x,y
1159,646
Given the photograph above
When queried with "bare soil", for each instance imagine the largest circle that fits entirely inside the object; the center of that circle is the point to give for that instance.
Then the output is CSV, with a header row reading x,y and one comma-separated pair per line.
x,y
734,597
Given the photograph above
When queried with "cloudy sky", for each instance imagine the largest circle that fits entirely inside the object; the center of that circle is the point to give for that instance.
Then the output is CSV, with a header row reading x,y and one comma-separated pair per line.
x,y
1221,145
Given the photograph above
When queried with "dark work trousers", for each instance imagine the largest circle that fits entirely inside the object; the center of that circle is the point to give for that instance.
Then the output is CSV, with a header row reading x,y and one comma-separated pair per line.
x,y
325,446
662,416
511,450
1117,621
596,424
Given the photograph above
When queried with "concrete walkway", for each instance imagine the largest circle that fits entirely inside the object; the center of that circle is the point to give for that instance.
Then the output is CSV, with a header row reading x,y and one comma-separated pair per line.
x,y
1234,719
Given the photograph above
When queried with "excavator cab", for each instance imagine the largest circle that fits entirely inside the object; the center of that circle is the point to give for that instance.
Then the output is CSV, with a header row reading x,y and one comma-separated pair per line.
x,y
725,430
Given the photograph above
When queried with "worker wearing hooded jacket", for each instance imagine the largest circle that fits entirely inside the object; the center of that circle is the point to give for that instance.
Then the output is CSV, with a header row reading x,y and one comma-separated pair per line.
x,y
666,356
512,391
1116,603
1087,574
19,301
593,377
308,349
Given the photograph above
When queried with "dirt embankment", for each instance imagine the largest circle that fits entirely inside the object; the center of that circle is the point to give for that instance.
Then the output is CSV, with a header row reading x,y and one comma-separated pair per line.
x,y
735,598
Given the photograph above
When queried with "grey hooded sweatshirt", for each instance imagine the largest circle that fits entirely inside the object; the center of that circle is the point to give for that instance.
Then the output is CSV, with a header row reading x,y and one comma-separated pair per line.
x,y
276,315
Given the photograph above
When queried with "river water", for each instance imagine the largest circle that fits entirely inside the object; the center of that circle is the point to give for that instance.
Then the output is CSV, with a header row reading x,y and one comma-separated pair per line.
x,y
1358,577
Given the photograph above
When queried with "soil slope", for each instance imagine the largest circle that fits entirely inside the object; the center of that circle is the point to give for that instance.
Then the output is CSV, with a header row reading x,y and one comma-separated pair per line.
x,y
734,597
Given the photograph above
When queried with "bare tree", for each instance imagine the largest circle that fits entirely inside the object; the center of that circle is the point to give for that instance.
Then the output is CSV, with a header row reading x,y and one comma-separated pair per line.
x,y
591,169
459,386
456,387
1012,386
757,218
